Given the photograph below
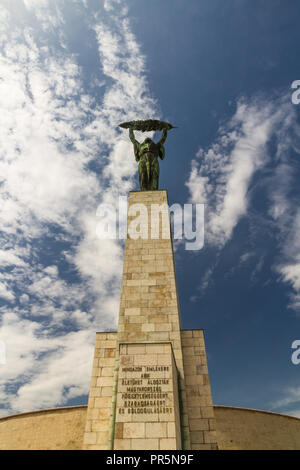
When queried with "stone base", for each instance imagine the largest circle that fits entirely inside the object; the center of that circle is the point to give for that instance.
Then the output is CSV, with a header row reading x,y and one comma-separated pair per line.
x,y
110,424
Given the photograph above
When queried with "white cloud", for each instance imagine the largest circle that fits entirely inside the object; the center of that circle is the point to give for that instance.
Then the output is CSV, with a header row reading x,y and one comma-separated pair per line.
x,y
47,12
291,396
206,281
10,257
50,132
295,412
31,4
49,368
221,176
289,266
285,210
5,293
111,4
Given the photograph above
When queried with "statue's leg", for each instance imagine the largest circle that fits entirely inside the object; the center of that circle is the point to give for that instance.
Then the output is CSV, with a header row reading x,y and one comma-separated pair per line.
x,y
148,173
155,174
143,176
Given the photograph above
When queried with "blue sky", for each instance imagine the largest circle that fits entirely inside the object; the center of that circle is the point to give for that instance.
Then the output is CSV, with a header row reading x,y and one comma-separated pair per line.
x,y
70,72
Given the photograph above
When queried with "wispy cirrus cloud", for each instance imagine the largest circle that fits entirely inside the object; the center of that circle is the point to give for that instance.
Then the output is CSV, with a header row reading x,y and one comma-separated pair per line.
x,y
221,176
61,155
291,397
260,137
288,265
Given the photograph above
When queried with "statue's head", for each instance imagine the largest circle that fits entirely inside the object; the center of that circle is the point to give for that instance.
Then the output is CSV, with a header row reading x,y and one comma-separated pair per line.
x,y
147,140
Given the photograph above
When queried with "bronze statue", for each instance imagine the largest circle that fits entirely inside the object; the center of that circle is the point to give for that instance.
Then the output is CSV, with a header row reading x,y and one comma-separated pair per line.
x,y
147,152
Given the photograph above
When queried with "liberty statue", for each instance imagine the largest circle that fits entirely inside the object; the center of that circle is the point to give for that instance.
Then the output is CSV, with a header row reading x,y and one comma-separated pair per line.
x,y
148,152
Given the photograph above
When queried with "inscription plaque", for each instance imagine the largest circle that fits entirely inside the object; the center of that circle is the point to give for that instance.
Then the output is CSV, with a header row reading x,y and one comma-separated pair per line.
x,y
147,395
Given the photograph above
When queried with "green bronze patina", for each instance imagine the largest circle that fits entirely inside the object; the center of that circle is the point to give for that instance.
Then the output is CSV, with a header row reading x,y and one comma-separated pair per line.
x,y
147,152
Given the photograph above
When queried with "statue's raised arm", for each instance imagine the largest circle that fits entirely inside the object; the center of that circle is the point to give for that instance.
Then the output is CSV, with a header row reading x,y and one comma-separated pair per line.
x,y
136,144
163,137
131,136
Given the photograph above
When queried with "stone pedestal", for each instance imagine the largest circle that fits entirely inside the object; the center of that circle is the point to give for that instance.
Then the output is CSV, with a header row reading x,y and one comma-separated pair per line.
x,y
149,387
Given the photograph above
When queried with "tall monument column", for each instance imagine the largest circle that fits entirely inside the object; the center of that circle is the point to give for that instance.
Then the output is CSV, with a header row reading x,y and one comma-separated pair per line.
x,y
150,327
